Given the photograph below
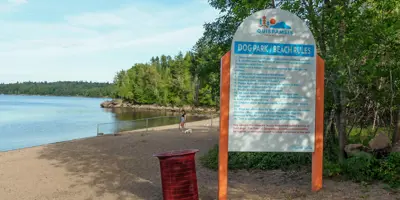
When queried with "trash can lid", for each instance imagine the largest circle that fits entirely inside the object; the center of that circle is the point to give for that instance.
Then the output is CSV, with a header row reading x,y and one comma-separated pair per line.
x,y
175,153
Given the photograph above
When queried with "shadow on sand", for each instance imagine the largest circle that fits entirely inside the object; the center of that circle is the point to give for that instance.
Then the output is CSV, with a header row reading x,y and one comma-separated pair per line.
x,y
123,165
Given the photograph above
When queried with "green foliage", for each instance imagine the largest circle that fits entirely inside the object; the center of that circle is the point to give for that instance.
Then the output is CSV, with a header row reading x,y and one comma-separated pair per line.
x,y
331,169
165,81
210,159
363,167
360,167
60,88
205,96
359,41
389,170
257,160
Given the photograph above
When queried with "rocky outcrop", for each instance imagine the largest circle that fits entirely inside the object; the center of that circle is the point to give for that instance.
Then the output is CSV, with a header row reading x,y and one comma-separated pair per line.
x,y
112,104
121,104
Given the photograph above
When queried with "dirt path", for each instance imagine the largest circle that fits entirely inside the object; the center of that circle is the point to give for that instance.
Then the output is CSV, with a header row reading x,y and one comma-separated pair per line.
x,y
122,167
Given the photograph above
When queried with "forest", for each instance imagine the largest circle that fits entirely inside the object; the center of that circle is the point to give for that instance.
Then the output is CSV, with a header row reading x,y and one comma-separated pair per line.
x,y
60,88
360,43
185,79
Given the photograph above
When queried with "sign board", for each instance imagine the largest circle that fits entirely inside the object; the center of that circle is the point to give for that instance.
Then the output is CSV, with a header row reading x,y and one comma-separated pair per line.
x,y
272,91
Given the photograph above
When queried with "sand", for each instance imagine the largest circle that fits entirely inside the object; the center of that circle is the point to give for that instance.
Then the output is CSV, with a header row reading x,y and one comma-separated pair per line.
x,y
122,167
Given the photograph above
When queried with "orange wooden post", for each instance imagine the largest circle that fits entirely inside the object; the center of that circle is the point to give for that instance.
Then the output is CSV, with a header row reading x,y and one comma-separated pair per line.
x,y
224,126
317,156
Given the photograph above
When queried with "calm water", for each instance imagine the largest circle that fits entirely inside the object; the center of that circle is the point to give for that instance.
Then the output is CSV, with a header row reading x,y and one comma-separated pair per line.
x,y
27,121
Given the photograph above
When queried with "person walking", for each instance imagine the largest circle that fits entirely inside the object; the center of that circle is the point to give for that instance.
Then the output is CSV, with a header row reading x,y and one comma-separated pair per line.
x,y
183,120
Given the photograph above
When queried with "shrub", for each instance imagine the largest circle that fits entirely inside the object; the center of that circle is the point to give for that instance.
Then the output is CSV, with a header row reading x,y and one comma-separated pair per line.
x,y
331,168
360,167
257,160
389,170
210,159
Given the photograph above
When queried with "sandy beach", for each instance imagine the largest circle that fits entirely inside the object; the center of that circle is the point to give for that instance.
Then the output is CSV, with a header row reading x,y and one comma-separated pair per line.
x,y
122,167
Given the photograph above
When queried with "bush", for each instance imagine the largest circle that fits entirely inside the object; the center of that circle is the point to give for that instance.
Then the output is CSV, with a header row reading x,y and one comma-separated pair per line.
x,y
331,168
210,159
389,170
360,167
365,167
255,160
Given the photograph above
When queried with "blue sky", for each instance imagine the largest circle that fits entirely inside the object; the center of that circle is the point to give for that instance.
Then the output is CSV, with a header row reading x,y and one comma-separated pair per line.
x,y
49,40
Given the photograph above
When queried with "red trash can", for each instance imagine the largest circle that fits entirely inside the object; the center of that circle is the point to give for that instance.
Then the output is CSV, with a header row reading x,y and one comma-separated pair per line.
x,y
178,174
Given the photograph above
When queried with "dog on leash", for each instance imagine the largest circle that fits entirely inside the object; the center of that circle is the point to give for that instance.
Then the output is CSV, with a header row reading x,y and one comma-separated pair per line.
x,y
188,131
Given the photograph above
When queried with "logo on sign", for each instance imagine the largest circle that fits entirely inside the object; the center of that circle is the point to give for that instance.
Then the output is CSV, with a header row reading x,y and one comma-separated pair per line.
x,y
272,27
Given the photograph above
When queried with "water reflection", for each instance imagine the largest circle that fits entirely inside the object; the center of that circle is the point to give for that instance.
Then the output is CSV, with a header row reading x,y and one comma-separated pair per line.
x,y
132,119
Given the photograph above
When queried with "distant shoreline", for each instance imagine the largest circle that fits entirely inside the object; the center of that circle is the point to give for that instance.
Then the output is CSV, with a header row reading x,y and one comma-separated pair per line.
x,y
39,95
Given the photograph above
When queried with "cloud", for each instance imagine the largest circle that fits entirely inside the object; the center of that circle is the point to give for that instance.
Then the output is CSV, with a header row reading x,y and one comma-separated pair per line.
x,y
96,19
102,31
77,45
104,42
18,1
11,5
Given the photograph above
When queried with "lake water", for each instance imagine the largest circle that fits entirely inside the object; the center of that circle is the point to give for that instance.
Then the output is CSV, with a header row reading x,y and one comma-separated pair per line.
x,y
27,121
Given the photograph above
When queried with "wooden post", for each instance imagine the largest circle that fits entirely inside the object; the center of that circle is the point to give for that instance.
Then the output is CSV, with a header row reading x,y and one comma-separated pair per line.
x,y
317,156
224,127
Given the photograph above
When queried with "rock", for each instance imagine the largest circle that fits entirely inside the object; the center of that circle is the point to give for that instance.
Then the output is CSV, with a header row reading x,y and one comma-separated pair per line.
x,y
106,104
352,149
381,141
187,108
118,103
396,147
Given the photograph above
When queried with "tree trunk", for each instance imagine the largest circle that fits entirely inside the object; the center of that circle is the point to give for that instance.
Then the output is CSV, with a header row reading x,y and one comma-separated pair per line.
x,y
375,117
329,124
196,90
396,134
340,122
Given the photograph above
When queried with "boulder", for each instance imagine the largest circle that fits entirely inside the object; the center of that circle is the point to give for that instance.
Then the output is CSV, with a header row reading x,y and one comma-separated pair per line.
x,y
352,149
380,141
106,104
117,103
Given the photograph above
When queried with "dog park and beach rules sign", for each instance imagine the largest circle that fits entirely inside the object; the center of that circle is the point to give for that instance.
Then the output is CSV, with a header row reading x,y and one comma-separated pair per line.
x,y
272,84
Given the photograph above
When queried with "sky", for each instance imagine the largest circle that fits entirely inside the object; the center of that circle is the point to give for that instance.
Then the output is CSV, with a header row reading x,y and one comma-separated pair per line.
x,y
91,40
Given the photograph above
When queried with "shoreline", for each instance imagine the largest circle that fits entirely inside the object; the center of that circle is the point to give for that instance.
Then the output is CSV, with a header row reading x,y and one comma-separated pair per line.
x,y
116,103
210,123
155,128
